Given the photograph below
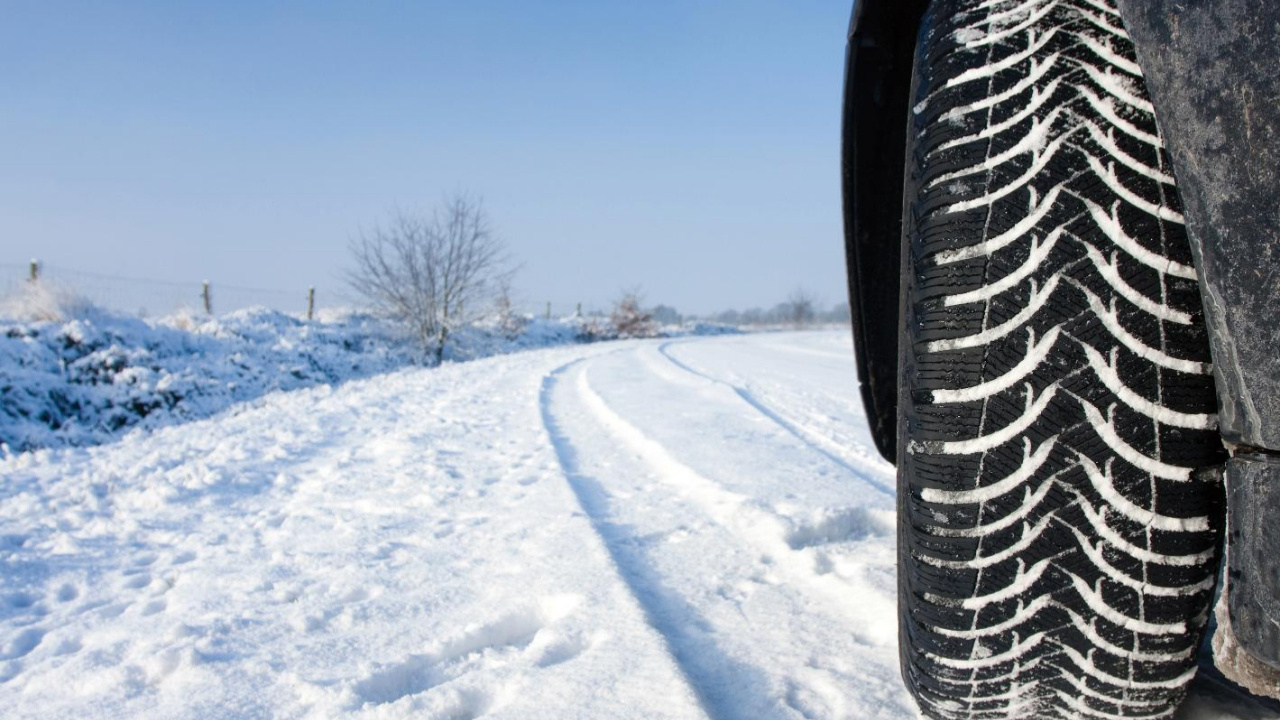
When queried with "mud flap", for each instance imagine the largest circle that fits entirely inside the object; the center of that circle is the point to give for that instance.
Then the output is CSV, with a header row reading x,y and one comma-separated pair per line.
x,y
1246,647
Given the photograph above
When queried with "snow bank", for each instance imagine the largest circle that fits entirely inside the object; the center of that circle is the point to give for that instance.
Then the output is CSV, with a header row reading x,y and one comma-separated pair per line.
x,y
73,374
87,379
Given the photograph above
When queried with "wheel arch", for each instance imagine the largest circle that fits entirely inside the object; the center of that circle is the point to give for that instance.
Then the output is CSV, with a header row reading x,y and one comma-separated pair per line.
x,y
880,51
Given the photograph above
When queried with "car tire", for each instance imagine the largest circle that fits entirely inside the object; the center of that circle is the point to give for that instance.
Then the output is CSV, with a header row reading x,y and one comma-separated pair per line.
x,y
1057,545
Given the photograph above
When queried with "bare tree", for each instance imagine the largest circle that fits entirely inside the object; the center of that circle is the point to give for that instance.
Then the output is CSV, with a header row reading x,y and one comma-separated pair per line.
x,y
434,272
800,305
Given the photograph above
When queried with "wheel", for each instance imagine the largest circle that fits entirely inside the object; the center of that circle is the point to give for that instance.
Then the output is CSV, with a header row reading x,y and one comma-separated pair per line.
x,y
1057,546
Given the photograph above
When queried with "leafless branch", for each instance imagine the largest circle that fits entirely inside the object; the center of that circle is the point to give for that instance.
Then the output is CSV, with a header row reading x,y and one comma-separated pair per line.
x,y
435,273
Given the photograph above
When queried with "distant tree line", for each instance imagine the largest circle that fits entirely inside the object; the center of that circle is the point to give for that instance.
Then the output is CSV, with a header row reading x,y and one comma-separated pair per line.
x,y
800,309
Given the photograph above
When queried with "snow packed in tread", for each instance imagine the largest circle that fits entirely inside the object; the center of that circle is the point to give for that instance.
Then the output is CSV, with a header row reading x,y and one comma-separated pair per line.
x,y
1058,547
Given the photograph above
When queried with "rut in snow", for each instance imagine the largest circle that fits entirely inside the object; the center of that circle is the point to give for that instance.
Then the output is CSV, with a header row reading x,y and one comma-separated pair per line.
x,y
703,560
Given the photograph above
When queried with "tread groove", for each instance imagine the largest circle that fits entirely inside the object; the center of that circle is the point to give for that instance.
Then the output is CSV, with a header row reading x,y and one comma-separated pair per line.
x,y
1057,546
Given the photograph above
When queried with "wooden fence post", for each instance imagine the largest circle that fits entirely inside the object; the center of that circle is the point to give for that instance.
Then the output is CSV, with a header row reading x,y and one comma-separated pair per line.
x,y
579,313
208,299
311,303
548,309
35,270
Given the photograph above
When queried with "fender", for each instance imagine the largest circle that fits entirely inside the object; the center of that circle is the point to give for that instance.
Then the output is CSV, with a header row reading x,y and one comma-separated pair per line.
x,y
1210,69
882,38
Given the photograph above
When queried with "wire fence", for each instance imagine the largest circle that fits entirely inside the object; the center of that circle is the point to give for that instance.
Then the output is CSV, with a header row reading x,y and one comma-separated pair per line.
x,y
150,297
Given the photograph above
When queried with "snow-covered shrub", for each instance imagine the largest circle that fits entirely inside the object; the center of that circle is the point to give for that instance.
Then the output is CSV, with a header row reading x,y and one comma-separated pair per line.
x,y
87,379
593,329
630,320
43,301
510,322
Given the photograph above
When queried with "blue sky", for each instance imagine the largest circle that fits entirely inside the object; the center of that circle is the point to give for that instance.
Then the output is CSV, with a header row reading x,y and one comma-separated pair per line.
x,y
686,147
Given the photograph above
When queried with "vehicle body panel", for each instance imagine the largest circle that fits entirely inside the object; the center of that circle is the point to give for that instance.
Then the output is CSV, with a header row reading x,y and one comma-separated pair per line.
x,y
882,35
1252,563
1211,69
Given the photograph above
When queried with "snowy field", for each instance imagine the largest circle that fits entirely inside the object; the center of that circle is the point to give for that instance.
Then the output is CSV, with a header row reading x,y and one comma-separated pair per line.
x,y
689,528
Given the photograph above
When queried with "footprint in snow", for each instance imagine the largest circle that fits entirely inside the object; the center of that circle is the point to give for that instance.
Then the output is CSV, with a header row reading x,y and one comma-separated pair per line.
x,y
550,647
68,646
183,558
153,607
112,610
814,694
22,644
847,525
137,581
415,675
20,600
524,634
144,560
90,606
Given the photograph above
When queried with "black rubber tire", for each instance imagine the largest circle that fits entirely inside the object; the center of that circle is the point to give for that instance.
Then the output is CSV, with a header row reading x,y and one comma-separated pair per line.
x,y
1057,549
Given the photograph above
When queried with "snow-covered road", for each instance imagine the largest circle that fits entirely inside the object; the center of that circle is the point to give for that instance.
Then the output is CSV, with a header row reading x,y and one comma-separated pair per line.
x,y
695,528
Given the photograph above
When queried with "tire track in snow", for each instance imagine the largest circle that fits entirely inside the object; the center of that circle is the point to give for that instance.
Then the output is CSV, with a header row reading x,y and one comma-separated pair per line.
x,y
813,441
757,628
751,524
706,669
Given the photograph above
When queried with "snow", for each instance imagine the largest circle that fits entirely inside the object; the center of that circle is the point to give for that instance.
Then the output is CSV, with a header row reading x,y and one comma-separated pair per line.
x,y
73,374
675,528
89,378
